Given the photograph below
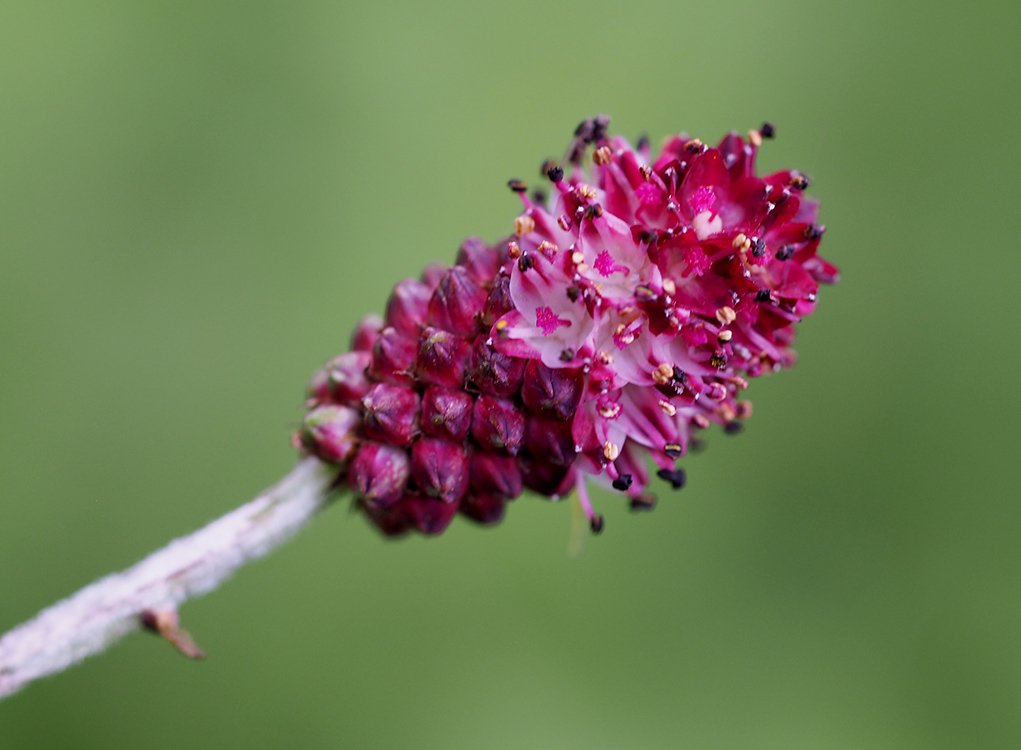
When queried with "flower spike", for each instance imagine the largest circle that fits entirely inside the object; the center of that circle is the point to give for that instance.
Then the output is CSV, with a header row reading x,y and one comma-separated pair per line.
x,y
622,314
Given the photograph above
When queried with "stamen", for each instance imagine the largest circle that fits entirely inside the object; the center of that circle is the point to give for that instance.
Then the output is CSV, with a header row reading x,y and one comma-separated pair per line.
x,y
517,185
602,156
798,181
553,171
524,225
726,315
676,477
611,451
663,374
645,501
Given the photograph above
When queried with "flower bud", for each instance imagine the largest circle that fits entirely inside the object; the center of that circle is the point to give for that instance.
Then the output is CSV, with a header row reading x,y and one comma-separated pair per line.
x,y
484,509
481,261
546,478
366,333
495,474
407,306
391,414
393,357
498,301
429,515
440,469
348,382
455,303
442,358
330,432
550,439
498,425
391,520
554,391
495,373
446,413
379,474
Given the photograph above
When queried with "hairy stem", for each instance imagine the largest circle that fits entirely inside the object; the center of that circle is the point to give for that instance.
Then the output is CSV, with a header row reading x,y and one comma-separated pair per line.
x,y
150,591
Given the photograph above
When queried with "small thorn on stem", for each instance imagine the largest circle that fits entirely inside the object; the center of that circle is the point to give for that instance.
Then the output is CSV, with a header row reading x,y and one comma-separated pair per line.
x,y
167,624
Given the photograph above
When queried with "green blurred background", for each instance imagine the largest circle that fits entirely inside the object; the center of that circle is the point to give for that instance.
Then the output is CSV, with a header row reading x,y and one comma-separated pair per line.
x,y
199,199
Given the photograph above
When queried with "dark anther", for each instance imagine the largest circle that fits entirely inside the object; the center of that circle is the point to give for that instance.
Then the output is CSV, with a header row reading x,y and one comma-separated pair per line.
x,y
567,355
644,501
539,196
785,252
622,483
575,152
645,293
584,129
596,524
518,186
648,236
759,248
767,130
693,147
799,181
812,232
594,211
676,477
680,376
525,262
573,293
553,171
733,427
642,143
718,360
673,450
763,295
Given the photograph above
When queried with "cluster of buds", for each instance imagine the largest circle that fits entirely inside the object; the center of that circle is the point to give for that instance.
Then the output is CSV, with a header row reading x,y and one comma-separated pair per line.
x,y
624,313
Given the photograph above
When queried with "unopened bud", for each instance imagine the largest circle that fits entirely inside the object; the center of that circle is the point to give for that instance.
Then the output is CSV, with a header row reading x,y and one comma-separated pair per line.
x,y
391,413
330,432
379,473
498,425
442,358
393,357
440,469
408,305
455,303
494,473
446,413
555,391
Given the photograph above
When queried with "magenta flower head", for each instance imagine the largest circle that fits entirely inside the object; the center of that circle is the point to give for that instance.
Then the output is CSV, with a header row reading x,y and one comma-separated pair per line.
x,y
625,313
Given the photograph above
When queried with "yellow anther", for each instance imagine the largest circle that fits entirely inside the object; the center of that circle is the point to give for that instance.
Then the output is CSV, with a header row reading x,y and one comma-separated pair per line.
x,y
524,225
726,315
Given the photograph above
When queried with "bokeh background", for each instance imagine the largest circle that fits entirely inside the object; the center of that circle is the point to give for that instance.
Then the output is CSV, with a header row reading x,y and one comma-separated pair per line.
x,y
199,199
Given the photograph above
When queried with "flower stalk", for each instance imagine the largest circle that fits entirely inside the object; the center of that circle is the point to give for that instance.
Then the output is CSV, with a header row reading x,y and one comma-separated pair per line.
x,y
148,594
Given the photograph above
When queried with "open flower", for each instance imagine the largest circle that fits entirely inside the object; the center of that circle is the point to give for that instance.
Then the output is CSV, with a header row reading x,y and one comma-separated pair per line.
x,y
622,315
